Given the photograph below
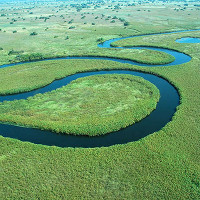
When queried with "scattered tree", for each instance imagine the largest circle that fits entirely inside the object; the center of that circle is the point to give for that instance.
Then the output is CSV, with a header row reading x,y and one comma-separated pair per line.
x,y
33,33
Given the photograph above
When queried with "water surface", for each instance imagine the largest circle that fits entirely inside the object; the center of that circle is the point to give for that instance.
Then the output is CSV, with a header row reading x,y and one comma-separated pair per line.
x,y
152,123
188,40
163,113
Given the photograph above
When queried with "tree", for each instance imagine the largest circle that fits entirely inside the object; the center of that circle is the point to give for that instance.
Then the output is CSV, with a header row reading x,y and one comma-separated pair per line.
x,y
126,23
33,33
100,40
72,27
71,21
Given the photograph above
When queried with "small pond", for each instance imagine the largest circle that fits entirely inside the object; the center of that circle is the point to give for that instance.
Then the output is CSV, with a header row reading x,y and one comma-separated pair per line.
x,y
188,40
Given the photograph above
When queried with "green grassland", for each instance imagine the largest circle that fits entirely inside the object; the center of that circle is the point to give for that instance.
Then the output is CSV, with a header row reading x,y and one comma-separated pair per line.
x,y
163,165
54,38
30,76
146,56
88,106
156,41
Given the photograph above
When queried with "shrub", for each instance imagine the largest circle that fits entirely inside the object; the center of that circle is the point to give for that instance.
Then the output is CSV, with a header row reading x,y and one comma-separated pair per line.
x,y
13,52
71,21
100,40
126,23
33,33
29,57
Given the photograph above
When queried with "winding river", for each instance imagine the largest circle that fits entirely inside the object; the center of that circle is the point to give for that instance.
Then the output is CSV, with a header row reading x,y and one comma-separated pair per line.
x,y
163,113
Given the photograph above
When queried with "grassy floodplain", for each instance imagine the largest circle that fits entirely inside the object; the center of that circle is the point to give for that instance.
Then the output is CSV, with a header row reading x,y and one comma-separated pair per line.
x,y
52,20
91,106
164,165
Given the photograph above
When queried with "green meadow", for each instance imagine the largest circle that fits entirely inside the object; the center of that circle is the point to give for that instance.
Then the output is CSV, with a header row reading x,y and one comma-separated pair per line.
x,y
163,165
51,21
91,106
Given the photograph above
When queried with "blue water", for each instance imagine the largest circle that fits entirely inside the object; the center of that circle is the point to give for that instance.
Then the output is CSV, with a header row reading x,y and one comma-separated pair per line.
x,y
154,122
163,113
188,40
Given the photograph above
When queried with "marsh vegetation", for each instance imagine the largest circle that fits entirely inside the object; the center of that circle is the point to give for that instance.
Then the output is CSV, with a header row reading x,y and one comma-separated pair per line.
x,y
164,165
91,106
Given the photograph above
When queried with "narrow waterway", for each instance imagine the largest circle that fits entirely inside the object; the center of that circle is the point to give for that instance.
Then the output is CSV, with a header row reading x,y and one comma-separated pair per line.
x,y
163,113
